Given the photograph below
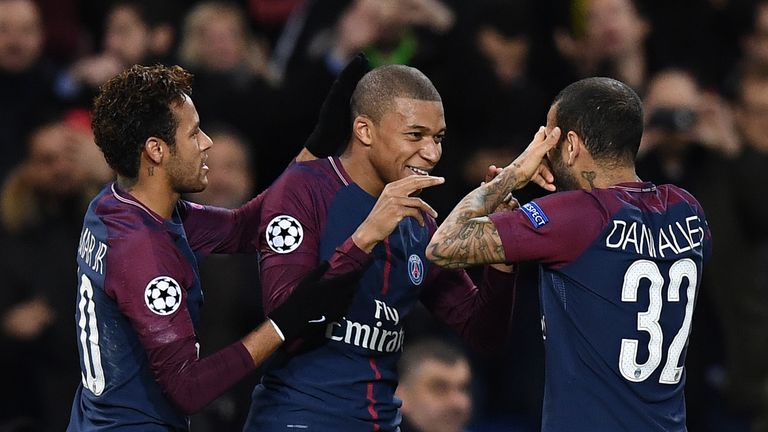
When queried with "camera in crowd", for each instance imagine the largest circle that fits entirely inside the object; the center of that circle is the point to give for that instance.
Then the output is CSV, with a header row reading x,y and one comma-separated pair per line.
x,y
673,119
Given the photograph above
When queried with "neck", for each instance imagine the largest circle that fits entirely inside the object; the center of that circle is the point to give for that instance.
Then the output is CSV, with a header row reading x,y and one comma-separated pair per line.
x,y
360,170
592,178
154,195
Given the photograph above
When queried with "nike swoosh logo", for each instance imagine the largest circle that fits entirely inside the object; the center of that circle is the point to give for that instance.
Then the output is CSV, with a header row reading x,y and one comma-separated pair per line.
x,y
321,319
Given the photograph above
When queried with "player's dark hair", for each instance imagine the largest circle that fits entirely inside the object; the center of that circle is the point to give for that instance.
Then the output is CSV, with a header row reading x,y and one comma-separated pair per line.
x,y
134,106
376,92
607,114
428,349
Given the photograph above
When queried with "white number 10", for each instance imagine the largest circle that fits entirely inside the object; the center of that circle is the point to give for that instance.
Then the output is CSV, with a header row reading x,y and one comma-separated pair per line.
x,y
648,321
93,376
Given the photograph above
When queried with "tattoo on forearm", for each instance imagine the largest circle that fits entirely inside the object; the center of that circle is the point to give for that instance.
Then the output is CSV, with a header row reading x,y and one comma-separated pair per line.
x,y
468,238
589,176
476,242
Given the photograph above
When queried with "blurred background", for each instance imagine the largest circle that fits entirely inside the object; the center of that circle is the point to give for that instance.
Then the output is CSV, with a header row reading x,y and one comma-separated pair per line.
x,y
262,69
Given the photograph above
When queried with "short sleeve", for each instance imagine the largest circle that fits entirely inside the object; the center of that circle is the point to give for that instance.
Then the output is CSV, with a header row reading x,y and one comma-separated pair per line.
x,y
551,230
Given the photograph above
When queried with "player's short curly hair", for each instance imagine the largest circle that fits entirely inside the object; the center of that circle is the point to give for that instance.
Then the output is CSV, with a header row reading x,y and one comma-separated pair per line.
x,y
134,106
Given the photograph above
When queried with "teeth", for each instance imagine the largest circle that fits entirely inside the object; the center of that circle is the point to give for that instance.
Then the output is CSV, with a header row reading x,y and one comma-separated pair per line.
x,y
419,171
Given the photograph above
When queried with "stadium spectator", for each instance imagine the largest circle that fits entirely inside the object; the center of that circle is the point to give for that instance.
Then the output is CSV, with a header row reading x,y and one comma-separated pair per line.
x,y
26,79
607,37
228,63
746,323
139,292
356,211
434,387
616,263
136,32
493,87
41,208
754,41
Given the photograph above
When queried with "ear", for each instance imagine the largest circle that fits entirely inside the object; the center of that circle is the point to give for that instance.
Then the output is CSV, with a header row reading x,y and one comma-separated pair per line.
x,y
362,129
154,148
573,147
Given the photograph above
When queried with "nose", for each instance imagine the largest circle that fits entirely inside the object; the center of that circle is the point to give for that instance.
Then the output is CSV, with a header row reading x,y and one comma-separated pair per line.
x,y
431,151
206,141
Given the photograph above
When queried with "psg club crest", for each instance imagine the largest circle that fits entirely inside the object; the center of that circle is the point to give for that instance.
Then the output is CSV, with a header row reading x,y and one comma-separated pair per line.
x,y
284,234
163,295
415,269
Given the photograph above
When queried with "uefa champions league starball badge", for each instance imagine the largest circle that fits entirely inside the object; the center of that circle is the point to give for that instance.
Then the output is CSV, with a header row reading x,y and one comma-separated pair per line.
x,y
163,295
284,234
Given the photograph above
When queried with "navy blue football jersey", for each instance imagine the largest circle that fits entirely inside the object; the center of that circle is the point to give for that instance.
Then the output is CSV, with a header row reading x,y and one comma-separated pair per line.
x,y
619,276
137,312
348,383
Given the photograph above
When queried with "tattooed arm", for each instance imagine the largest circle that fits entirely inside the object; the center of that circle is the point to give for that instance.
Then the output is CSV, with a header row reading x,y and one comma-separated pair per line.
x,y
468,237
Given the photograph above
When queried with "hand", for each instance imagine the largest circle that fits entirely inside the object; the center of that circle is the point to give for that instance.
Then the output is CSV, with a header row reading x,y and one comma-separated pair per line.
x,y
95,71
315,303
26,321
395,203
332,131
716,126
531,165
358,27
510,202
430,13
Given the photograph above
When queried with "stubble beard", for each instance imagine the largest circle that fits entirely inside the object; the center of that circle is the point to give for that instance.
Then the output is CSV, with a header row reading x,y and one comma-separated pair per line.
x,y
564,179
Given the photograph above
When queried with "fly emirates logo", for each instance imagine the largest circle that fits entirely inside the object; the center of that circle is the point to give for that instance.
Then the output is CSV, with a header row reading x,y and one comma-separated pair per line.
x,y
371,336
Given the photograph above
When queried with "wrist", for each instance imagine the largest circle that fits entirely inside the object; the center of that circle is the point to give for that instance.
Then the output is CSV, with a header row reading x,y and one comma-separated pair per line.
x,y
277,330
363,242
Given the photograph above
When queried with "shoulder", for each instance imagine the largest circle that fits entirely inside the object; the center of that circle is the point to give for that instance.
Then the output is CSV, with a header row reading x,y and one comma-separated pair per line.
x,y
303,186
309,172
132,231
675,194
578,204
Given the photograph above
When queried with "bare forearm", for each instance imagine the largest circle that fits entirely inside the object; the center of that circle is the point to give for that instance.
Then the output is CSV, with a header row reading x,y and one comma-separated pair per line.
x,y
467,236
262,342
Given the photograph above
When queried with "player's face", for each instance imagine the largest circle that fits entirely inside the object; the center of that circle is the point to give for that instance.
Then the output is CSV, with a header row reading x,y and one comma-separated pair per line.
x,y
21,35
752,113
407,140
437,397
564,177
126,38
186,166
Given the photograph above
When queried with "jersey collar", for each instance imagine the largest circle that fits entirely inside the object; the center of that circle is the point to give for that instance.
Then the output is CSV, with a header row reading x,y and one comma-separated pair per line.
x,y
635,187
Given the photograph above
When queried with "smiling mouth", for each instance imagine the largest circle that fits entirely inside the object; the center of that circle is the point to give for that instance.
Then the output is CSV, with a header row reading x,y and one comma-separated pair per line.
x,y
418,171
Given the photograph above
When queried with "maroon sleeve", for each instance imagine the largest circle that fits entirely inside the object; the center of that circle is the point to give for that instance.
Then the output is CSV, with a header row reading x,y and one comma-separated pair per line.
x,y
552,230
481,316
296,196
137,259
218,230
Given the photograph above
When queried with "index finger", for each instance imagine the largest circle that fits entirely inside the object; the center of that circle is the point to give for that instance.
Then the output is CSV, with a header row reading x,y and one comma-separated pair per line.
x,y
551,139
410,184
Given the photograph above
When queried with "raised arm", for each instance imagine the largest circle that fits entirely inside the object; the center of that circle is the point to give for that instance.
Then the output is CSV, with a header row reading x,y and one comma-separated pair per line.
x,y
468,237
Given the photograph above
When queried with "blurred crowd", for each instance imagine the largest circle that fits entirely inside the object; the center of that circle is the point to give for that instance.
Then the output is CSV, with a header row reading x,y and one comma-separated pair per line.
x,y
262,69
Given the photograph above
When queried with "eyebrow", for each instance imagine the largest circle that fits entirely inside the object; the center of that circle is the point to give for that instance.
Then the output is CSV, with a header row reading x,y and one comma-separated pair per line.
x,y
195,127
422,128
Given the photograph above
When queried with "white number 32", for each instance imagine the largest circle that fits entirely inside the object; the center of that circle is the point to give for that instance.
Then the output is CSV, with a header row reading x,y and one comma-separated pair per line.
x,y
648,321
